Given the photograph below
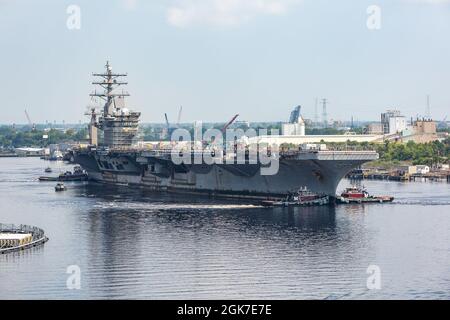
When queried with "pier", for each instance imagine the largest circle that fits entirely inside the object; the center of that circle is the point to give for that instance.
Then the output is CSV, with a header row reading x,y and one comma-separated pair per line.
x,y
430,177
20,237
359,174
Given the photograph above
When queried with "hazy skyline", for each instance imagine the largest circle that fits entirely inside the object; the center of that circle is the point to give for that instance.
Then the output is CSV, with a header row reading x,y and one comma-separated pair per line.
x,y
216,58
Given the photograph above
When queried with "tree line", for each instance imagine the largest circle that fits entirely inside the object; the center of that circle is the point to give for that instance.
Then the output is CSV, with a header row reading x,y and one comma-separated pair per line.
x,y
430,153
15,138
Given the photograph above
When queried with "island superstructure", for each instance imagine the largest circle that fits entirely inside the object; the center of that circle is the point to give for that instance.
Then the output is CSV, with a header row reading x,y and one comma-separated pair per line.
x,y
117,160
119,125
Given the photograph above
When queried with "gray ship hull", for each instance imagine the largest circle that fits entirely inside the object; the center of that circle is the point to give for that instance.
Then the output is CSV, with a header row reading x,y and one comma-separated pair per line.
x,y
318,171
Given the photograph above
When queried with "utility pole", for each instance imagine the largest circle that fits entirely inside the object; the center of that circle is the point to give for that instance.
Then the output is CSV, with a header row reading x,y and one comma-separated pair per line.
x,y
324,112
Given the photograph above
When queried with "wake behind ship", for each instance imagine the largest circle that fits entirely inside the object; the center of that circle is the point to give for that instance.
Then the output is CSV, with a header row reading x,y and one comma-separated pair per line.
x,y
116,160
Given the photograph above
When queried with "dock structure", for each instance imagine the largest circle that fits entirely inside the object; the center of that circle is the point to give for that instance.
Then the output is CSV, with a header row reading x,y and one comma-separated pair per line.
x,y
20,237
393,175
432,176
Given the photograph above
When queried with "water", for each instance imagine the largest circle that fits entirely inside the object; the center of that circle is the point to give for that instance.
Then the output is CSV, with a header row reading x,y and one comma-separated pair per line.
x,y
134,244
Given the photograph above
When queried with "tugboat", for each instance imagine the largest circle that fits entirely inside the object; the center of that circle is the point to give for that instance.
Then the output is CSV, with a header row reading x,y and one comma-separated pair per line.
x,y
302,197
78,174
360,195
48,170
60,187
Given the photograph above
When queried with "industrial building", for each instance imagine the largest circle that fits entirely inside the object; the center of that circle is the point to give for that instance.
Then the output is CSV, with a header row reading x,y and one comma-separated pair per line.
x,y
296,125
421,131
375,128
393,122
293,132
394,126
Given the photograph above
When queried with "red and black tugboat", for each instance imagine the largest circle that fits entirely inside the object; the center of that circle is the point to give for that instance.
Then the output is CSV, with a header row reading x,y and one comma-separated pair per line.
x,y
360,195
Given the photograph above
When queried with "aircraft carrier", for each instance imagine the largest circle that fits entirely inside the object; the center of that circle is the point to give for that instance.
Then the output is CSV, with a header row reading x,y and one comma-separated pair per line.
x,y
117,160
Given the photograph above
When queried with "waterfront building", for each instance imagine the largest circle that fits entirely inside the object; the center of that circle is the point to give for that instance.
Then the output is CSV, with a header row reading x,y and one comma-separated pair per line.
x,y
30,152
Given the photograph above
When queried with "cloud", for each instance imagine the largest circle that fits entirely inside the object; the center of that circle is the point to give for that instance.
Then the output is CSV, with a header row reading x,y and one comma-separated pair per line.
x,y
184,13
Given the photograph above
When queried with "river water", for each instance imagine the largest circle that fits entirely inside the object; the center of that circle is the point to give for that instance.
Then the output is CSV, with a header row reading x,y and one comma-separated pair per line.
x,y
134,244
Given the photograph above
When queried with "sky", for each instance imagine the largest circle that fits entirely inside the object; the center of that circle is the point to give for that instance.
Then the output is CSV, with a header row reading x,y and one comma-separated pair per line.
x,y
217,58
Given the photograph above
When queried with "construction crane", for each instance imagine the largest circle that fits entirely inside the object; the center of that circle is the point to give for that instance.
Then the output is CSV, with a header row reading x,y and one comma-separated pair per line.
x,y
167,121
229,123
179,116
443,123
167,125
223,130
169,129
32,125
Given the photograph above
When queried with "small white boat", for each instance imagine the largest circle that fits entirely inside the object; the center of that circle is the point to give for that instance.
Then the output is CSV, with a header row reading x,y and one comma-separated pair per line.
x,y
60,187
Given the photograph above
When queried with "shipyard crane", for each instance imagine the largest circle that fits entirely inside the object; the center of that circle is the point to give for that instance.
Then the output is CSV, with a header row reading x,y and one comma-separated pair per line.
x,y
32,125
167,121
179,116
169,129
229,123
443,123
224,129
167,124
